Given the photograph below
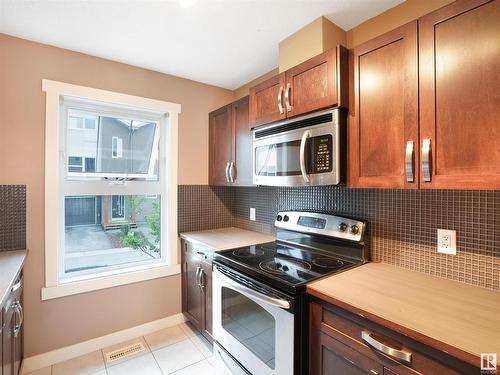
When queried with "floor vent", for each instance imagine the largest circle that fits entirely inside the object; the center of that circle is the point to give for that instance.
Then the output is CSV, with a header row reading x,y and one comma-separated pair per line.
x,y
125,352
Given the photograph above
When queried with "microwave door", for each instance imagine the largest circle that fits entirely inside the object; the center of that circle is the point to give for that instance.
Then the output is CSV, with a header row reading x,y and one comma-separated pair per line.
x,y
266,163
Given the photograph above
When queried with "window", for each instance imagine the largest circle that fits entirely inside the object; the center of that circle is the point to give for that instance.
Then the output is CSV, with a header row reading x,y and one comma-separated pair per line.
x,y
113,198
116,148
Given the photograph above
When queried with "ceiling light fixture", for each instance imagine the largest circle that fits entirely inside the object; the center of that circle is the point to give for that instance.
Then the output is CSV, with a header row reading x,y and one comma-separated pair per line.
x,y
187,3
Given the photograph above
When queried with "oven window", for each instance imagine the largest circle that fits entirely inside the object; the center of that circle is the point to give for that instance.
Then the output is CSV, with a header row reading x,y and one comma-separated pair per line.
x,y
281,159
250,324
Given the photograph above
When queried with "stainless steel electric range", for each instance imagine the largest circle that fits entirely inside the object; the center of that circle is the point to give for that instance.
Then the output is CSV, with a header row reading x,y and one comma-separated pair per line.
x,y
259,300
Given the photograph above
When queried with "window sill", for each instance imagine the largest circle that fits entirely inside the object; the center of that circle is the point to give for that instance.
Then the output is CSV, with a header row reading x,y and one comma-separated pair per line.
x,y
70,287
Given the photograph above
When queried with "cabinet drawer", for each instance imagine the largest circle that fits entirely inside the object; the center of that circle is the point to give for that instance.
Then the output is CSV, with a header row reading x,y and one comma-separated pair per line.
x,y
370,339
198,251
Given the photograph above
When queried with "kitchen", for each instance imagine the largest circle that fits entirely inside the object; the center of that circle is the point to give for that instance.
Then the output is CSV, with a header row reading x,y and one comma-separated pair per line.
x,y
331,206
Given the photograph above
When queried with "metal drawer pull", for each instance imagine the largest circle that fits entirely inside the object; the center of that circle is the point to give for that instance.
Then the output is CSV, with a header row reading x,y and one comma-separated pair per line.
x,y
400,354
426,159
409,162
287,98
227,172
373,372
280,100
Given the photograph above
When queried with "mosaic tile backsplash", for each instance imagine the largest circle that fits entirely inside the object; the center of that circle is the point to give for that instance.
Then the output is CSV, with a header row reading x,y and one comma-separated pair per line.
x,y
402,223
12,217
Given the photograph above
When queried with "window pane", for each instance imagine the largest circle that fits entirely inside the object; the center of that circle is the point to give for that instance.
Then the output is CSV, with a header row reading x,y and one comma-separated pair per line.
x,y
103,232
117,145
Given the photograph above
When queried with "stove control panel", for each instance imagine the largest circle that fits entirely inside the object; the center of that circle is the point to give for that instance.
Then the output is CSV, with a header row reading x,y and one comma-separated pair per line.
x,y
323,224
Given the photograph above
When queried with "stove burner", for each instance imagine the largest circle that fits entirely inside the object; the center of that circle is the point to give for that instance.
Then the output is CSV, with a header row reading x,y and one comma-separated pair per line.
x,y
328,262
281,266
248,252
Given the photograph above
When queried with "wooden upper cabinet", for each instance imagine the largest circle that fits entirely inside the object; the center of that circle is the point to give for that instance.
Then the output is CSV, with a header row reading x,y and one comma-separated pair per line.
x,y
317,82
230,161
242,143
459,62
384,120
220,145
266,101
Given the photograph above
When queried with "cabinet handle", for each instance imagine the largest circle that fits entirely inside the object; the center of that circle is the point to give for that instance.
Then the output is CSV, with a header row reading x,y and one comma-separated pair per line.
x,y
19,312
373,372
198,269
409,162
231,172
280,100
202,279
287,97
426,159
227,172
398,354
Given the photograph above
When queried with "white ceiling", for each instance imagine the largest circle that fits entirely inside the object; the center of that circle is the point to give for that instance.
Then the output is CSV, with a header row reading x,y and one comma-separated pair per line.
x,y
220,42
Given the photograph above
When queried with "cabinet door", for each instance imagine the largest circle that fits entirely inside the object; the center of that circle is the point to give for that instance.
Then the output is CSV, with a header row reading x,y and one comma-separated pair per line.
x,y
18,344
206,283
385,116
267,101
221,139
8,341
243,144
192,296
459,62
317,83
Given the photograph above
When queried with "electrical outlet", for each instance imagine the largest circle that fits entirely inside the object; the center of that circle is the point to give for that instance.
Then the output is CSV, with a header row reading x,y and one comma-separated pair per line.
x,y
447,241
252,213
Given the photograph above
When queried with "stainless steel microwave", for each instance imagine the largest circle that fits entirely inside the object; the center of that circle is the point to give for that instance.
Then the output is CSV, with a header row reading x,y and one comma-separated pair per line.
x,y
304,151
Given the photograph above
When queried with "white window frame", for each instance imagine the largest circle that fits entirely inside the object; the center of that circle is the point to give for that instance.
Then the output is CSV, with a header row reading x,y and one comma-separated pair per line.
x,y
56,188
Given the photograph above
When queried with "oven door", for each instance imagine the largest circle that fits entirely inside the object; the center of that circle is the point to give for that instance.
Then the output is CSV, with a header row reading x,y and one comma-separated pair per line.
x,y
254,328
305,156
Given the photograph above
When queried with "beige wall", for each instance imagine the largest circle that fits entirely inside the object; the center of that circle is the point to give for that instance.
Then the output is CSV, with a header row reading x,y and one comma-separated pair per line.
x,y
392,18
60,322
313,39
243,90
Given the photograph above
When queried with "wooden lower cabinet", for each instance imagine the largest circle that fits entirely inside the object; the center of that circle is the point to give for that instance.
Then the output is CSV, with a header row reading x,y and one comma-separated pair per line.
x,y
336,347
197,287
11,347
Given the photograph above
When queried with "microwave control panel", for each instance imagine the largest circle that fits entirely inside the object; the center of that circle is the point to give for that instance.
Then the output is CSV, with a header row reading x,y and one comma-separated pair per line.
x,y
322,154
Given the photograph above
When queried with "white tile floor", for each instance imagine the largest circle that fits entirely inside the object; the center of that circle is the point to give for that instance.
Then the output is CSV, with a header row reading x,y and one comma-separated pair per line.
x,y
178,350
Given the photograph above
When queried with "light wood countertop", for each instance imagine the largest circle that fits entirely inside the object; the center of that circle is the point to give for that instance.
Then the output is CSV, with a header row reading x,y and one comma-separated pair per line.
x,y
226,238
11,263
461,319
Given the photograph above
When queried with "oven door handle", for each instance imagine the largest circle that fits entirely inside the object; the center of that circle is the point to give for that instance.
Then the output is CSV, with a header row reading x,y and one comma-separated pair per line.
x,y
303,142
256,295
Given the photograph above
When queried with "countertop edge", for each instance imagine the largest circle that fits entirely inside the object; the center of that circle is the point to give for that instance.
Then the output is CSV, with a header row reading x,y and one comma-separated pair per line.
x,y
190,236
5,293
441,346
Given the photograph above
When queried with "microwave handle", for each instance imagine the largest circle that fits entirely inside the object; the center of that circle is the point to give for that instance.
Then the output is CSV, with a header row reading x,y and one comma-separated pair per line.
x,y
303,142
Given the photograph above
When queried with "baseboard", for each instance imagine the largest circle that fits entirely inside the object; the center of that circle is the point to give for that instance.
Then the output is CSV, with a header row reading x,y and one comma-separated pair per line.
x,y
39,361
